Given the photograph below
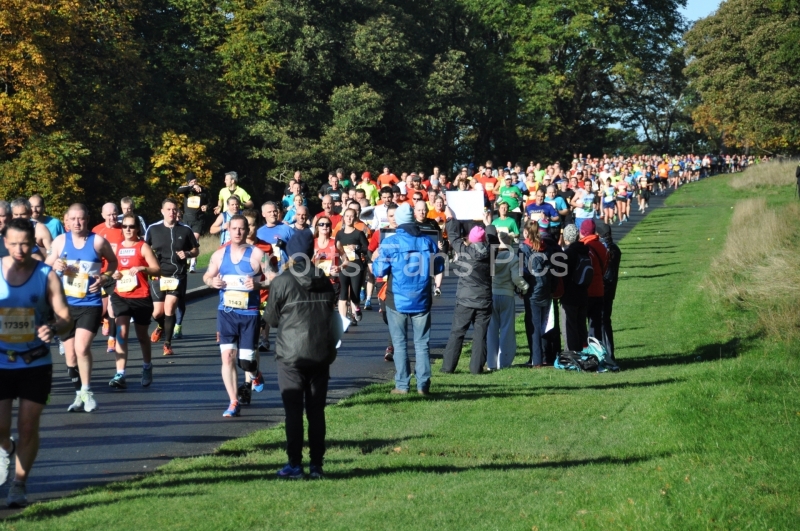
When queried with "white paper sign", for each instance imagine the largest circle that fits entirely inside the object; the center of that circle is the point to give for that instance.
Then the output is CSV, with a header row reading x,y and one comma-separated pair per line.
x,y
466,205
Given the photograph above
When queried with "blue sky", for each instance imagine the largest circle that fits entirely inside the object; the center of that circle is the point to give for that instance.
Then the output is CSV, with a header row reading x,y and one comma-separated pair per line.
x,y
696,9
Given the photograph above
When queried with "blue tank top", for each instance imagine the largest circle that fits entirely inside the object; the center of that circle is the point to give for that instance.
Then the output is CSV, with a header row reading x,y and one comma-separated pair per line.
x,y
234,276
22,310
82,265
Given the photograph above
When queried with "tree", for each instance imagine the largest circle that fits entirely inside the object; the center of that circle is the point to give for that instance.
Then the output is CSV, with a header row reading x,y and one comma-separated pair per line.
x,y
744,66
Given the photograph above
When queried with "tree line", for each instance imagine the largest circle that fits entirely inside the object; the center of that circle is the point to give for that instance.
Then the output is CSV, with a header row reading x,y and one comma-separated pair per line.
x,y
105,98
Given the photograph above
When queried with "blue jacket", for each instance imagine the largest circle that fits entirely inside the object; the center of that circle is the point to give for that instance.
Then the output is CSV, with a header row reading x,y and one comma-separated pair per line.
x,y
405,259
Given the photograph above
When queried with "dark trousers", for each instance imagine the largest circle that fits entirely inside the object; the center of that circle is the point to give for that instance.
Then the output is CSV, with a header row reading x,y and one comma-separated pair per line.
x,y
535,323
575,326
608,332
305,388
594,312
462,318
552,339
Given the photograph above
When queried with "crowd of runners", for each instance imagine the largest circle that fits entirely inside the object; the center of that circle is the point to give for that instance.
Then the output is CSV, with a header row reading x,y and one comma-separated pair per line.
x,y
63,280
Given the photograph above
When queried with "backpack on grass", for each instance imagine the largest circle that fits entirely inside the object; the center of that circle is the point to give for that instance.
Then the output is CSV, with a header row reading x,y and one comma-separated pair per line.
x,y
593,358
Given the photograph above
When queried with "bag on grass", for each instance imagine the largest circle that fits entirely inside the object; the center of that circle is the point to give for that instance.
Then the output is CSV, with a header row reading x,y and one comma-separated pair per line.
x,y
569,360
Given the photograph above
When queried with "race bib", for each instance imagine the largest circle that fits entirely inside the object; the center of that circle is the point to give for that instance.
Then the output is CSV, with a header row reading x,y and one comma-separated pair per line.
x,y
17,325
168,283
502,229
489,186
325,266
236,299
193,201
127,283
235,282
75,284
537,216
350,251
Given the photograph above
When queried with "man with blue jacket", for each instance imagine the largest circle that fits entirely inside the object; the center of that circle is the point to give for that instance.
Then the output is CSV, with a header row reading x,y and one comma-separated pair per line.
x,y
409,262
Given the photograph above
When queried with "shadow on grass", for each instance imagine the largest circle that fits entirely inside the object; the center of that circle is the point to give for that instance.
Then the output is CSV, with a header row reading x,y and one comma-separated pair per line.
x,y
365,446
710,352
657,275
648,266
462,392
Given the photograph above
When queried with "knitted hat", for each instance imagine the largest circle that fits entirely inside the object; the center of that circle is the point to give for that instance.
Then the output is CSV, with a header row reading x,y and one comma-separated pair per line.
x,y
476,235
404,214
570,234
587,227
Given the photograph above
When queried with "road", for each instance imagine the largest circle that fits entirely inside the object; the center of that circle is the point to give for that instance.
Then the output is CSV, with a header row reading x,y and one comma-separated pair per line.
x,y
136,430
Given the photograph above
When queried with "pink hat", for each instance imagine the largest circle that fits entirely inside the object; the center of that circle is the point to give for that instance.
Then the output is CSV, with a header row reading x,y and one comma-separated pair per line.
x,y
587,227
477,235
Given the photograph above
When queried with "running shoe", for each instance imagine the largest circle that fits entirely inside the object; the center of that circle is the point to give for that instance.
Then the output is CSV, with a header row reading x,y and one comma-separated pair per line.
x,y
111,344
77,405
363,295
106,328
147,376
243,394
389,356
263,345
178,334
290,472
192,269
233,410
258,382
315,472
5,462
17,496
168,350
358,315
89,404
155,337
368,304
118,382
62,349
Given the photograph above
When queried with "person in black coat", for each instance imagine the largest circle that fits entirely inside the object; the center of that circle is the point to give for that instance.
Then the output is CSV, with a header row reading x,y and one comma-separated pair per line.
x,y
474,292
610,280
301,306
575,300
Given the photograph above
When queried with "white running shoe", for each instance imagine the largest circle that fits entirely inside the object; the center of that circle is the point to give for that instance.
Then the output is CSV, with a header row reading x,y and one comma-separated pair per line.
x,y
77,405
5,462
89,404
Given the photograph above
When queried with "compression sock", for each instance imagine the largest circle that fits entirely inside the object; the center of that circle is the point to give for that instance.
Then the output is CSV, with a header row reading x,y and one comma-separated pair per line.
x,y
75,376
160,322
169,328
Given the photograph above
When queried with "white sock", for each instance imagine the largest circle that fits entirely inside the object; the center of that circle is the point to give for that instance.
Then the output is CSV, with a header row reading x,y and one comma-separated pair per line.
x,y
85,388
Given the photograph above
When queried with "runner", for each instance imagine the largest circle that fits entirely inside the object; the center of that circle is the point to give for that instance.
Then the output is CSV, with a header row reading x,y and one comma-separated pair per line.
x,y
29,294
232,270
233,206
78,256
269,263
174,244
131,299
38,214
21,208
111,230
194,209
127,206
232,188
353,242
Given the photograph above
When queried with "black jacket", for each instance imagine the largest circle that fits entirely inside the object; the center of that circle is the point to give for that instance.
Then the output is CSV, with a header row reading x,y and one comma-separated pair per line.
x,y
535,262
473,267
574,295
301,306
611,276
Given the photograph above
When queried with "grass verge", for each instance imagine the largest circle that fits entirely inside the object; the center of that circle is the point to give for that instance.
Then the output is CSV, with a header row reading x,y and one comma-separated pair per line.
x,y
699,431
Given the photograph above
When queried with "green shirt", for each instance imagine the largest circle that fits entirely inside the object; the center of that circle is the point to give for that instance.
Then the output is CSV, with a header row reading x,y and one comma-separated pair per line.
x,y
511,195
507,223
539,175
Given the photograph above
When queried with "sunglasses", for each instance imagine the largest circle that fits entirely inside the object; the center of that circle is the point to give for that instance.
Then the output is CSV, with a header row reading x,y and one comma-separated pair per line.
x,y
323,224
129,226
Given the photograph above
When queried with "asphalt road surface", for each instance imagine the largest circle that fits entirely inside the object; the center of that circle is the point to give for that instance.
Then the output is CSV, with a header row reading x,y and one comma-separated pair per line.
x,y
136,430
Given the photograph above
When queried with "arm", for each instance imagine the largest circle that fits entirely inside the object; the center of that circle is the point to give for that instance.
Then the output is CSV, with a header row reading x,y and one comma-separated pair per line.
x,y
43,237
212,278
55,254
63,320
153,267
103,249
218,226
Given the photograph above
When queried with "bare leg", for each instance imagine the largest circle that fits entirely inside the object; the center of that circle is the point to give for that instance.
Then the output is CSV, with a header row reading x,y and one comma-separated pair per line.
x,y
229,376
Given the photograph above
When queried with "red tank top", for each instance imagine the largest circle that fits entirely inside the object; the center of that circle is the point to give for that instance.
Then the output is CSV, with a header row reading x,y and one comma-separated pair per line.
x,y
327,254
128,257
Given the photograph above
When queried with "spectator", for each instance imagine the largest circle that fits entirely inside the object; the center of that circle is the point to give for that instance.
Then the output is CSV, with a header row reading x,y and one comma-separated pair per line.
x,y
408,260
576,296
501,338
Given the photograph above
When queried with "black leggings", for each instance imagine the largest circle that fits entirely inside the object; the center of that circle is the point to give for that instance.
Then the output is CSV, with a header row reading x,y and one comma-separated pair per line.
x,y
351,283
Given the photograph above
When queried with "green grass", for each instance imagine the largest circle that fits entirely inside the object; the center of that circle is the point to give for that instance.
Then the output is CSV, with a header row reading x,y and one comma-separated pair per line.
x,y
699,431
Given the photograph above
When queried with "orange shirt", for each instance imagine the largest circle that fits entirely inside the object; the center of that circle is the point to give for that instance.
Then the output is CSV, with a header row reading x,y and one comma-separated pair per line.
x,y
387,179
663,170
489,185
360,225
440,219
114,237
